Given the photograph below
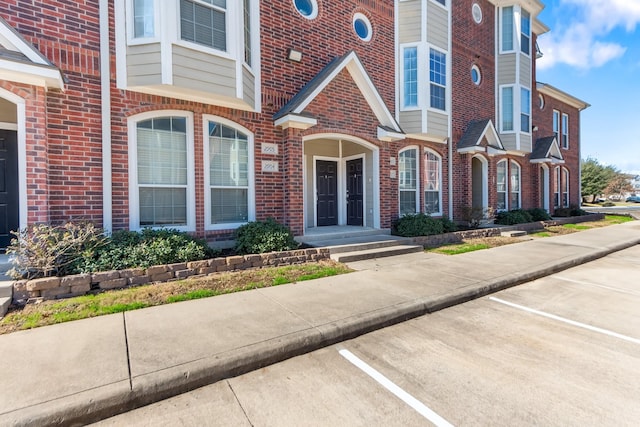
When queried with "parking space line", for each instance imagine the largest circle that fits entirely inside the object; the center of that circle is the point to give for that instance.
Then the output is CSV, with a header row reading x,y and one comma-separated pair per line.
x,y
420,407
610,288
568,321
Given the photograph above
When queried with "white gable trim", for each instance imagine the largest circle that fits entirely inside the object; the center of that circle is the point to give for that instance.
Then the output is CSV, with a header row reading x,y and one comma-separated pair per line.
x,y
353,65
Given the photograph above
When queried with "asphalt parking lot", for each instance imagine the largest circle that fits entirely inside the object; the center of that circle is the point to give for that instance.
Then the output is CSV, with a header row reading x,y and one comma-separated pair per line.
x,y
563,350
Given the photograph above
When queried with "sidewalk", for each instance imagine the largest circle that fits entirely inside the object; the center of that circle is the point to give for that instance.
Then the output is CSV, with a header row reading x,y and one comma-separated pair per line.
x,y
86,370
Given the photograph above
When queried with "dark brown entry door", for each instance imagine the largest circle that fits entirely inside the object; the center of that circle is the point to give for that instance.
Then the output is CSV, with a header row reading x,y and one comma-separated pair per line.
x,y
327,192
355,208
9,214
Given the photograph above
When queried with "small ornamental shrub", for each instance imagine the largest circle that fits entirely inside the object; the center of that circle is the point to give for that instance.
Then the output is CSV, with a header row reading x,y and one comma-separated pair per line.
x,y
448,226
516,216
413,225
129,249
474,216
45,250
539,214
608,204
570,211
258,237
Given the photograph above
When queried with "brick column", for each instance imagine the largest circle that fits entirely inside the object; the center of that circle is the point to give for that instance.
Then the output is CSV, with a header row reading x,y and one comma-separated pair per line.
x,y
293,187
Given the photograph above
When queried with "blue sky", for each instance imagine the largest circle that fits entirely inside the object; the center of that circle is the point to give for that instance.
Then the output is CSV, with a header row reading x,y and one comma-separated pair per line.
x,y
593,53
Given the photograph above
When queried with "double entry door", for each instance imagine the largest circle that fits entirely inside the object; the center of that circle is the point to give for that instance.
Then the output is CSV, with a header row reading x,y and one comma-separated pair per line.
x,y
328,192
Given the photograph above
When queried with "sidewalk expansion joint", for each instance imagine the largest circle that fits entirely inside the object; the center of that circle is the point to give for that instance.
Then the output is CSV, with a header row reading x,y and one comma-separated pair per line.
x,y
126,346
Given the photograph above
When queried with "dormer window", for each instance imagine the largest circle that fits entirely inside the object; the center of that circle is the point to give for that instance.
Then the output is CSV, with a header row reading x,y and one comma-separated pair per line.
x,y
204,22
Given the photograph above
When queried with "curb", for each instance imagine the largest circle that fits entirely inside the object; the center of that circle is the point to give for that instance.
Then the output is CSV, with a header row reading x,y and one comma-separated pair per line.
x,y
113,399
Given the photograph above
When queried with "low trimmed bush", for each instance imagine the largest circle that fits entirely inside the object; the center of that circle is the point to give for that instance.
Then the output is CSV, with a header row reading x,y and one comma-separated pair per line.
x,y
539,214
448,225
570,211
516,216
414,225
258,237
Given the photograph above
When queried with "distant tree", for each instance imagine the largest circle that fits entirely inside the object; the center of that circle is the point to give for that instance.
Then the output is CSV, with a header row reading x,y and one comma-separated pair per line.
x,y
595,178
620,184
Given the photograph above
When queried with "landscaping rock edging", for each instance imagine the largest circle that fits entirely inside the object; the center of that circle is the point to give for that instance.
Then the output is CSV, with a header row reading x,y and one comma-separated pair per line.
x,y
47,288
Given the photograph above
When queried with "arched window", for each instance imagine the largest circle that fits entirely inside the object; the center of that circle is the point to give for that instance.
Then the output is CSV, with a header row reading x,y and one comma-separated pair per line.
x,y
432,183
565,187
408,181
501,185
161,178
556,188
229,175
514,185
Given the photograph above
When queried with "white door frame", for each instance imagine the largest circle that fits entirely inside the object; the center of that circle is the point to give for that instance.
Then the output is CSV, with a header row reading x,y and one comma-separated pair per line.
x,y
485,181
315,186
342,192
545,187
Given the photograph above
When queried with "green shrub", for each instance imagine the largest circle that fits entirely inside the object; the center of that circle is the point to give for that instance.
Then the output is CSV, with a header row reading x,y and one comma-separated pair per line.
x,y
570,211
45,250
539,214
129,249
474,216
263,236
516,216
608,204
448,226
417,225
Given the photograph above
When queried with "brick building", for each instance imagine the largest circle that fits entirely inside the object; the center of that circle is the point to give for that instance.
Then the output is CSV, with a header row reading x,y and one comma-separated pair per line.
x,y
202,115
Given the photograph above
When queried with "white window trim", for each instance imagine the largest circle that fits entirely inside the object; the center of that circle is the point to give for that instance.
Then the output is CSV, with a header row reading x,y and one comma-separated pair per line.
x,y
528,131
506,185
424,186
444,6
556,131
134,194
519,28
557,193
565,178
367,23
251,193
477,70
420,77
565,131
515,116
447,87
509,189
418,176
500,30
130,23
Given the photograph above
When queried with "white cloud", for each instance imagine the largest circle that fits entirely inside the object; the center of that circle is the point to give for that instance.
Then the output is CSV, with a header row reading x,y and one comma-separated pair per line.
x,y
580,41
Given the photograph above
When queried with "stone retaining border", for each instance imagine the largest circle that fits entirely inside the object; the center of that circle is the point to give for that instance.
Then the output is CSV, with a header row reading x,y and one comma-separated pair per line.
x,y
47,288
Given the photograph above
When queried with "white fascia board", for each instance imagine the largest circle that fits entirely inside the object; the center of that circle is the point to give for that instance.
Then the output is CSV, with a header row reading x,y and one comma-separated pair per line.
x,y
43,76
556,93
490,130
388,136
474,149
515,153
296,122
428,138
11,37
495,152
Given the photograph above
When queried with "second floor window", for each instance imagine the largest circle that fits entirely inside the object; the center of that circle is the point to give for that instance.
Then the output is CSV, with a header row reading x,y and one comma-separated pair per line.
x,y
204,22
143,19
507,29
556,124
438,79
247,32
525,110
410,76
565,131
507,109
525,32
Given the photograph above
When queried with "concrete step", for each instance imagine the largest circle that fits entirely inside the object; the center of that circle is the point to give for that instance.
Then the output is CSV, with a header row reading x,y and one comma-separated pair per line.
x,y
4,306
339,234
6,288
513,233
365,243
379,252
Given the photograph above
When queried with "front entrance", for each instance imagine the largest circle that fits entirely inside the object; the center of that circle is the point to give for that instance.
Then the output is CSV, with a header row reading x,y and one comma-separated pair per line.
x,y
9,202
327,192
479,190
355,193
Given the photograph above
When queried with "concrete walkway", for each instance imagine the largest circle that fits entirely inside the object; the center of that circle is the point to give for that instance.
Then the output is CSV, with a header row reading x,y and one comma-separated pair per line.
x,y
86,370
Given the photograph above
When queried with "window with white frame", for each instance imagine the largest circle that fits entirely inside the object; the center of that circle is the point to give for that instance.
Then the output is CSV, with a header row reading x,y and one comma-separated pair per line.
x,y
204,22
556,124
143,18
229,175
432,182
408,181
556,190
506,110
514,185
565,187
525,110
507,29
438,79
442,2
162,172
247,31
501,185
410,77
565,131
525,32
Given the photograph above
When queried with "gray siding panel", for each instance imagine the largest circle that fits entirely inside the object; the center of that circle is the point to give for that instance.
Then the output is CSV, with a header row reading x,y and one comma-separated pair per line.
x,y
525,71
437,124
409,16
508,140
248,87
144,65
507,69
437,26
526,144
203,72
411,121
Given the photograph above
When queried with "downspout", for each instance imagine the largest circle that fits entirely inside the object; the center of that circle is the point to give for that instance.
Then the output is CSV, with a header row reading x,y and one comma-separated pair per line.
x,y
450,99
105,90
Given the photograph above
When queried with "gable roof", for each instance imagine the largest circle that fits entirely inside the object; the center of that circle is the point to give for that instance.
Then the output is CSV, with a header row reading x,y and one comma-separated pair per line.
x,y
556,93
476,131
294,109
21,62
546,150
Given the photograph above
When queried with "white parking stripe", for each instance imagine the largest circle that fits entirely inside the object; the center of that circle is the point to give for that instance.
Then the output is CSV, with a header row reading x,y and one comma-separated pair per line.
x,y
389,385
570,322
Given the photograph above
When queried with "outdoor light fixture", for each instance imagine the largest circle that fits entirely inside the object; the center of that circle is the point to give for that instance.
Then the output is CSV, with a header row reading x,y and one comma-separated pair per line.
x,y
294,55
535,129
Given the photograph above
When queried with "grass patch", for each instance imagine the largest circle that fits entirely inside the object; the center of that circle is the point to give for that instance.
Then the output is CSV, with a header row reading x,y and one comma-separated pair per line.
x,y
576,226
617,219
541,234
456,249
116,301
